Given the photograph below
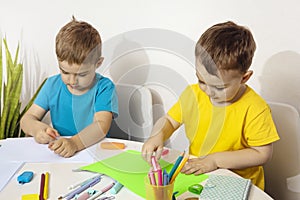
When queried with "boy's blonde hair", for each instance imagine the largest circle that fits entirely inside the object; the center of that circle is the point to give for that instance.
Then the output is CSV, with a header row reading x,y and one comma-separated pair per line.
x,y
225,46
78,43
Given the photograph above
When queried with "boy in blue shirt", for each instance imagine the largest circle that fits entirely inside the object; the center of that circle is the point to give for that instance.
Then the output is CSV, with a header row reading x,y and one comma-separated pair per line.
x,y
82,103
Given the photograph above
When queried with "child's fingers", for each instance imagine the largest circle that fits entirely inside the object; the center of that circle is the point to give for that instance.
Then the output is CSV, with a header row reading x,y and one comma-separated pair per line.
x,y
147,155
55,145
52,133
158,153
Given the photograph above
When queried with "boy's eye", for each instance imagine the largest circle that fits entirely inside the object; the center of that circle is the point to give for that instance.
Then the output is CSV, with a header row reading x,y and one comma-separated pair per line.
x,y
220,87
64,72
201,82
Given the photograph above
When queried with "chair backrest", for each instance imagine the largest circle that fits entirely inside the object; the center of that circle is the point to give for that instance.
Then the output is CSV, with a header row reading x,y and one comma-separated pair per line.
x,y
135,120
285,162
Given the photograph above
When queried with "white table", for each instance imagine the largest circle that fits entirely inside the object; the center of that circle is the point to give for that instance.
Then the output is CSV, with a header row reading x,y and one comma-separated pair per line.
x,y
62,176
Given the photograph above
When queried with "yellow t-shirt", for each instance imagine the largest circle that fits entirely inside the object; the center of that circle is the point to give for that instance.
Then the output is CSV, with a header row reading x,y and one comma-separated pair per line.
x,y
209,129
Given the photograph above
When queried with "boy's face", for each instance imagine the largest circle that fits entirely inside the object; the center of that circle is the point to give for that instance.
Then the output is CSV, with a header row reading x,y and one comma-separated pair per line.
x,y
223,89
78,78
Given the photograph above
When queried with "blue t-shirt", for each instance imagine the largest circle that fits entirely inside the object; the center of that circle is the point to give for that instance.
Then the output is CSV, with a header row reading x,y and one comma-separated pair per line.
x,y
71,113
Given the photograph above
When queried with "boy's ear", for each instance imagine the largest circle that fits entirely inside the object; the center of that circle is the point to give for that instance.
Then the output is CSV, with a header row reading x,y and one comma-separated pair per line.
x,y
247,76
99,62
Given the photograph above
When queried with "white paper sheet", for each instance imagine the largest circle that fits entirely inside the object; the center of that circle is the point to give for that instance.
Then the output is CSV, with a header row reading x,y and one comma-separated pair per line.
x,y
27,150
7,171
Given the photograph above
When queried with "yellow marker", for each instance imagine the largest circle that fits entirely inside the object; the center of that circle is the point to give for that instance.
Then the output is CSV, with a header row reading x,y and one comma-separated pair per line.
x,y
179,168
30,197
46,186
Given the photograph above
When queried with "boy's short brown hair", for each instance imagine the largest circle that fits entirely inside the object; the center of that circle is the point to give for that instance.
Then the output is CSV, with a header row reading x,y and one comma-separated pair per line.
x,y
225,46
78,42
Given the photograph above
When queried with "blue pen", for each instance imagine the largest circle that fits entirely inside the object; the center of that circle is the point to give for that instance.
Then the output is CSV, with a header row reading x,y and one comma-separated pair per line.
x,y
166,177
175,166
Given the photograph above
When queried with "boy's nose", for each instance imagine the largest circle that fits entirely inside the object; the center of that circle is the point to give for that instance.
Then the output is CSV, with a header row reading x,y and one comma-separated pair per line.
x,y
72,80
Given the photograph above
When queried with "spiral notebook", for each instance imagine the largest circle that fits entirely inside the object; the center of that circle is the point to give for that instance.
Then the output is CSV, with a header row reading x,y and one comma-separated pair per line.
x,y
219,187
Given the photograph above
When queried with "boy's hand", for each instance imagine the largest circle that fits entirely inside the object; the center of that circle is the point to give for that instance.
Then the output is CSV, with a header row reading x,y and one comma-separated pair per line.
x,y
46,136
65,147
199,165
52,133
154,144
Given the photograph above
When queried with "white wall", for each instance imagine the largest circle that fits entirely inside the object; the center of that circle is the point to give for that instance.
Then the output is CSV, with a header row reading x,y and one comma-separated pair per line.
x,y
275,26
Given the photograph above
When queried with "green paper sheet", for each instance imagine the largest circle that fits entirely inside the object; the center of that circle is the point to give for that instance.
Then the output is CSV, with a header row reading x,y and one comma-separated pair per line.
x,y
129,169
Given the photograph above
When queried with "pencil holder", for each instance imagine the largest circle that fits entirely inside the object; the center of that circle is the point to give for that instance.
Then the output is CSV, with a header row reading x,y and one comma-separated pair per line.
x,y
156,192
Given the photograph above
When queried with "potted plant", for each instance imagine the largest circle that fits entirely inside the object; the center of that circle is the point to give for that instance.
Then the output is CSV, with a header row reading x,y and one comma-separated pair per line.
x,y
10,104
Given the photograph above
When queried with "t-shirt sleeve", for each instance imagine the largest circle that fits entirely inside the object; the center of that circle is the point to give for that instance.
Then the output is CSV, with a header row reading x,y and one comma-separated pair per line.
x,y
106,98
42,99
261,130
176,111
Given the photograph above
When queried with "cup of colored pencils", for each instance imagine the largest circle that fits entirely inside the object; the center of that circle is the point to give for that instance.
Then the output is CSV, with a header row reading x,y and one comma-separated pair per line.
x,y
158,192
159,183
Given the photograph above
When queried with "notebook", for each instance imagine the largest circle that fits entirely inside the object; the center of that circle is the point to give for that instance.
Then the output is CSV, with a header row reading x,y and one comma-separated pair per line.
x,y
219,187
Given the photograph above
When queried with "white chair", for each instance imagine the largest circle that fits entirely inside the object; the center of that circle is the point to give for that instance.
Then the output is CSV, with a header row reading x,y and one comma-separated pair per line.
x,y
135,120
282,171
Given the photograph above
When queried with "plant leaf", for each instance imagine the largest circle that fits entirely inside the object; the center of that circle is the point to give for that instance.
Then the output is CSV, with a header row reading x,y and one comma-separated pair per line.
x,y
11,94
14,129
1,75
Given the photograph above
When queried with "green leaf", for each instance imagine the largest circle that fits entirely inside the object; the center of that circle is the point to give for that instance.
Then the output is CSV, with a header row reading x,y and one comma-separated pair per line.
x,y
14,129
11,94
13,100
1,72
1,75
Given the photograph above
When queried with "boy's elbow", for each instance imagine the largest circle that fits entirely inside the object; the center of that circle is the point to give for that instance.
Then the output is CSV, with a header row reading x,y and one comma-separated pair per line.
x,y
269,154
263,154
266,153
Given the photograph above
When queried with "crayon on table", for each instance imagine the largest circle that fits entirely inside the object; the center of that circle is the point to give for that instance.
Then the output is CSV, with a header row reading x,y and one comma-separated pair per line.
x,y
46,187
42,186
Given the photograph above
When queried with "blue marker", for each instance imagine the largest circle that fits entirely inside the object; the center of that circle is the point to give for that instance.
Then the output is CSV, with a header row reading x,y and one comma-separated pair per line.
x,y
166,177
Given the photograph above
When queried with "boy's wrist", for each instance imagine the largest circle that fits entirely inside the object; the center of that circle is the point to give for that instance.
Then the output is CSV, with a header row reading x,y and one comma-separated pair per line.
x,y
78,143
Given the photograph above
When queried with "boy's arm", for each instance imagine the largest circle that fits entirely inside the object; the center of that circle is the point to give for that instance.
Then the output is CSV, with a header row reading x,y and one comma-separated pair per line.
x,y
162,130
90,135
94,132
31,125
249,157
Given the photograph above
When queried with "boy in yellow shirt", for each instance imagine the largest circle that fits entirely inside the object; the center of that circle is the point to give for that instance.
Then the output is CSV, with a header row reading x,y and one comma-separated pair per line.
x,y
227,124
